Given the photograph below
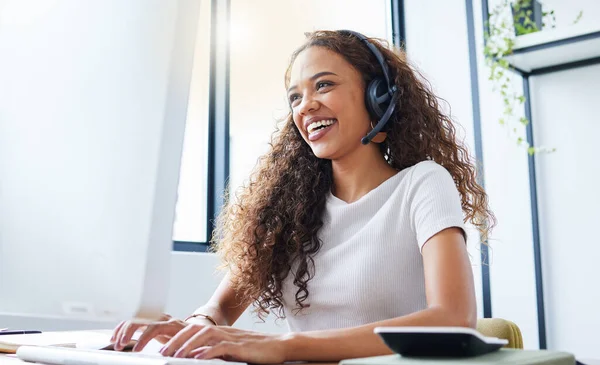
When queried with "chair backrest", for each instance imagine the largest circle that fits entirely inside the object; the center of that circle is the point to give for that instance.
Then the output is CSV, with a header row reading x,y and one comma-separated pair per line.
x,y
501,328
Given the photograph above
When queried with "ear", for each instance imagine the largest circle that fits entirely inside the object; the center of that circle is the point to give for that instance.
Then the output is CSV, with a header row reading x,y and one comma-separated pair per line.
x,y
379,137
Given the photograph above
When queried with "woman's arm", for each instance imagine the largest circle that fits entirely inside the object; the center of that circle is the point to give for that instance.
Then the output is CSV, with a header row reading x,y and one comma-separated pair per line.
x,y
224,306
450,297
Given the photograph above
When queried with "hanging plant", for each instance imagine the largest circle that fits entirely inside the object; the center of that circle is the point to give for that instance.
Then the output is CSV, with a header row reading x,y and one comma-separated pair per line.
x,y
508,20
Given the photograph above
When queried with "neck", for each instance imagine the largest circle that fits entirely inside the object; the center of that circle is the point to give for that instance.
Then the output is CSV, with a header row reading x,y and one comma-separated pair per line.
x,y
356,174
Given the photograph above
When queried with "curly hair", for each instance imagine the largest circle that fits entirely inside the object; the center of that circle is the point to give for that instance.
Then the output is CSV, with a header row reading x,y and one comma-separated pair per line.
x,y
276,217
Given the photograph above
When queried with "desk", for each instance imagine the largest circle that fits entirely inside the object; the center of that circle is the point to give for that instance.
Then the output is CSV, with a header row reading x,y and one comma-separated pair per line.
x,y
12,360
8,360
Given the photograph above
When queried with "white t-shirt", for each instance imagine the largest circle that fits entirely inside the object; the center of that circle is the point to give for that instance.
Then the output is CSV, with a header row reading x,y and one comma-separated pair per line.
x,y
369,267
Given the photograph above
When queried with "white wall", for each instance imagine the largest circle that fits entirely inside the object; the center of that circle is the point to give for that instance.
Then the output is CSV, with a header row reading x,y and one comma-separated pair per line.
x,y
565,117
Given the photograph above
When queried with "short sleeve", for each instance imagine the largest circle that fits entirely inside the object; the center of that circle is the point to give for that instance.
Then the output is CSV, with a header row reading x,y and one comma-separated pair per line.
x,y
434,201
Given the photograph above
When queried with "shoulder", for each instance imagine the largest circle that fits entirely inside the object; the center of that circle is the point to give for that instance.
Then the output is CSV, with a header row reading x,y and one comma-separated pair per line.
x,y
434,201
428,171
431,182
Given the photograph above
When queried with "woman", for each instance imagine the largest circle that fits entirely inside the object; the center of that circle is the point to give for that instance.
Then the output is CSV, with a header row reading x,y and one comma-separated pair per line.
x,y
337,236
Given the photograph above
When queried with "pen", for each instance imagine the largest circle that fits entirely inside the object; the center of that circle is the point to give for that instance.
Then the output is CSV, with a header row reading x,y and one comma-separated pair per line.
x,y
18,332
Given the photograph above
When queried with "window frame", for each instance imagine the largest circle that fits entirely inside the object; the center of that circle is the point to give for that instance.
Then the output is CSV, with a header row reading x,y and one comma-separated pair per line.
x,y
218,123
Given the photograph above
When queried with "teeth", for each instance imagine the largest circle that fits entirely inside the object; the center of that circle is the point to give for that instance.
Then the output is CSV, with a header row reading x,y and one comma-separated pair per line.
x,y
315,125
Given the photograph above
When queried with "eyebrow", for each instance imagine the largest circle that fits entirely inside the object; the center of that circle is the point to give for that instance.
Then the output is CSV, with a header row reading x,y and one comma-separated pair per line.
x,y
314,77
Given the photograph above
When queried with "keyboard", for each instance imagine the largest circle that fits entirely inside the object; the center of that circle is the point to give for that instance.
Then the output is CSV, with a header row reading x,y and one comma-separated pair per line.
x,y
73,356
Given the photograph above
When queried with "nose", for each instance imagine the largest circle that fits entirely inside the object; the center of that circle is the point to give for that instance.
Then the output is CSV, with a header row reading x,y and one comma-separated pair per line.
x,y
308,105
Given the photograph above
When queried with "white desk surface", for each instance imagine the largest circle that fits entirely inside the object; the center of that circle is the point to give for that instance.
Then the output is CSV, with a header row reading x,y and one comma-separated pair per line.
x,y
53,337
9,359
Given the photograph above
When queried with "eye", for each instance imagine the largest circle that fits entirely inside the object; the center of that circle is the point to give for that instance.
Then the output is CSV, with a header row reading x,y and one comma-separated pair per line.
x,y
322,84
293,98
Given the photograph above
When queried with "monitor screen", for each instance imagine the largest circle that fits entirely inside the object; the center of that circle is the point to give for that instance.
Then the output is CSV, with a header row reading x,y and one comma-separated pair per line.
x,y
93,103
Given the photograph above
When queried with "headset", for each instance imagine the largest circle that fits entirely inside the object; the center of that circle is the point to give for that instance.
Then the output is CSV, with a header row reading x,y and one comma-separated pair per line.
x,y
381,95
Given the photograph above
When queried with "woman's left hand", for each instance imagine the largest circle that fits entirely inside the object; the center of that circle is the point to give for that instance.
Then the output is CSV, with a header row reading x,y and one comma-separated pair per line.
x,y
228,343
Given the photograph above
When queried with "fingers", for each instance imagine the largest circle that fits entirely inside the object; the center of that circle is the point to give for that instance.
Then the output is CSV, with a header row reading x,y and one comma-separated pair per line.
x,y
152,331
160,331
180,339
198,353
116,331
229,351
207,336
124,335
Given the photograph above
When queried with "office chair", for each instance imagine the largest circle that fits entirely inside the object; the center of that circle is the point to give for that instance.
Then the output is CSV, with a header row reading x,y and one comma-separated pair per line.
x,y
501,328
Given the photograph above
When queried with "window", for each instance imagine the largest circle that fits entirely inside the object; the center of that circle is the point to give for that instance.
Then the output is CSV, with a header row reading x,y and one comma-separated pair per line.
x,y
190,213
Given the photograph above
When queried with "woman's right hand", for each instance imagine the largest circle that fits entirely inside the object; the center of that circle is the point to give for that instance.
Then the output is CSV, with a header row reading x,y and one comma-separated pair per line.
x,y
162,330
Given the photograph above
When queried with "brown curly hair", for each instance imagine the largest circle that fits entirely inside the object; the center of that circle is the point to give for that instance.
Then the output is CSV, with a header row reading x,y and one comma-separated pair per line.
x,y
276,217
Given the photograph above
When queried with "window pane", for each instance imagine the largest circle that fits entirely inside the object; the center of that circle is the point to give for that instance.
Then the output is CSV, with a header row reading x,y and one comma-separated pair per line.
x,y
190,214
264,33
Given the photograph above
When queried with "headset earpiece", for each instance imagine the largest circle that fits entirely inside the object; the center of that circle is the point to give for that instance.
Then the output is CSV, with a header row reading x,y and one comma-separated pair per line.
x,y
377,98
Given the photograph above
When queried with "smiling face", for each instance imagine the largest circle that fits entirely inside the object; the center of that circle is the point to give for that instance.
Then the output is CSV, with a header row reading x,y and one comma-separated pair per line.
x,y
326,94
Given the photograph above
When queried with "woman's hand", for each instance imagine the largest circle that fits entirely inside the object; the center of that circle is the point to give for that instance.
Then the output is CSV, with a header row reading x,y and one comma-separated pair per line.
x,y
162,330
208,342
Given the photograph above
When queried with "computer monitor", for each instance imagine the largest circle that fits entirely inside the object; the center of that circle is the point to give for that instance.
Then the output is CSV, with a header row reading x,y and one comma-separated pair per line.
x,y
93,103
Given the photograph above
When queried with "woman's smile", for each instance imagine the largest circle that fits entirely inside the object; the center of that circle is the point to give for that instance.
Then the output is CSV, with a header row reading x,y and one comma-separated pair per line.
x,y
317,130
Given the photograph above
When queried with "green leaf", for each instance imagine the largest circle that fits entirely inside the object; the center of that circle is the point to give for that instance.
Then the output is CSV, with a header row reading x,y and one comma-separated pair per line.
x,y
524,121
578,17
531,151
